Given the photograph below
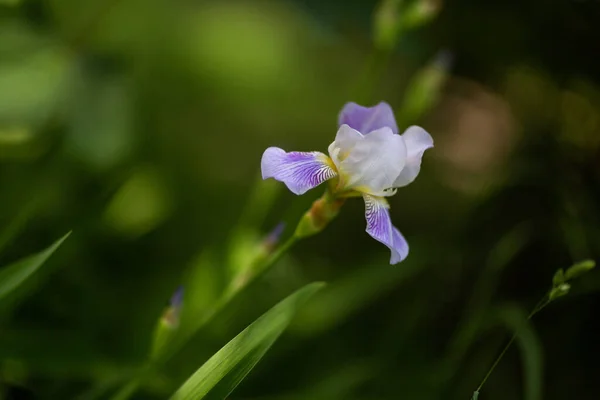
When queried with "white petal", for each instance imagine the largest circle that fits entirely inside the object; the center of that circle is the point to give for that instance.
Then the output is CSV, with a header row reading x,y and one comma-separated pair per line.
x,y
345,140
374,162
417,141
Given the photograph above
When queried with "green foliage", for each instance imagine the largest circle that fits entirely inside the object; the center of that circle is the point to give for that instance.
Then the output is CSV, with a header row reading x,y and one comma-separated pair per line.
x,y
560,285
530,346
387,24
577,270
531,350
348,295
220,375
424,89
14,275
34,83
392,18
420,12
142,123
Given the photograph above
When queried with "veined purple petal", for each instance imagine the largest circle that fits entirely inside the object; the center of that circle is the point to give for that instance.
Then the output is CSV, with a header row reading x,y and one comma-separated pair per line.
x,y
300,171
379,226
400,246
368,119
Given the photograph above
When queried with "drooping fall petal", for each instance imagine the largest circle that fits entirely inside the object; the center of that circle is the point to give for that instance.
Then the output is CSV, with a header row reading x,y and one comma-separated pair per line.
x,y
379,226
300,171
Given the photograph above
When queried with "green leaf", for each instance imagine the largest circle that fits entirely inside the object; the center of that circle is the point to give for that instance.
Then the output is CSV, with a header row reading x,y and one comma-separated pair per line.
x,y
13,276
220,375
506,250
350,294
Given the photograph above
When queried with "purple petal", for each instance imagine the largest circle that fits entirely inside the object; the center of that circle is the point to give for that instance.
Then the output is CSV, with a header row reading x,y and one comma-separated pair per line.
x,y
300,171
368,119
400,245
379,226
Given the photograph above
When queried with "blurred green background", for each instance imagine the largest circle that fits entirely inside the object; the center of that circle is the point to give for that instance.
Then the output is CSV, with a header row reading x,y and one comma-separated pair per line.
x,y
139,125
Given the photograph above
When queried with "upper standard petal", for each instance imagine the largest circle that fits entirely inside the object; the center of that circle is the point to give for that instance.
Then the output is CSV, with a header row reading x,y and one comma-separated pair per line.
x,y
368,119
345,140
374,163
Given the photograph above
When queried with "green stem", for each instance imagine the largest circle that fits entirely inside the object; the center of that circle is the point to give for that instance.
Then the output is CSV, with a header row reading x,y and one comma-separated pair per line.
x,y
131,387
231,294
538,307
273,258
127,390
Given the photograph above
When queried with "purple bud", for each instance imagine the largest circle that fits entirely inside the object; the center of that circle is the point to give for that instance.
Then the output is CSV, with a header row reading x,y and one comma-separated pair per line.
x,y
177,298
273,237
171,315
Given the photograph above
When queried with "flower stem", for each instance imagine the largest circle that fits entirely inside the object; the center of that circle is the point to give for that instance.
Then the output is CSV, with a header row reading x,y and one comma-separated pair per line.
x,y
127,390
261,267
544,301
275,256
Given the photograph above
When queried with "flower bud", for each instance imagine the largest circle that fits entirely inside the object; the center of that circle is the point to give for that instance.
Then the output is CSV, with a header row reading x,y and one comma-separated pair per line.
x,y
559,291
579,269
558,278
270,242
424,89
322,212
420,12
168,323
386,24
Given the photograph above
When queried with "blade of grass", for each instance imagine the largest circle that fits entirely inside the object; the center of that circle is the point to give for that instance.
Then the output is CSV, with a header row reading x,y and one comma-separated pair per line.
x,y
14,275
221,374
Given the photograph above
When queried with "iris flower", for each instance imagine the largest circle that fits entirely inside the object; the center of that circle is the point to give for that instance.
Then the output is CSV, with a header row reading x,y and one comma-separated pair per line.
x,y
368,158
